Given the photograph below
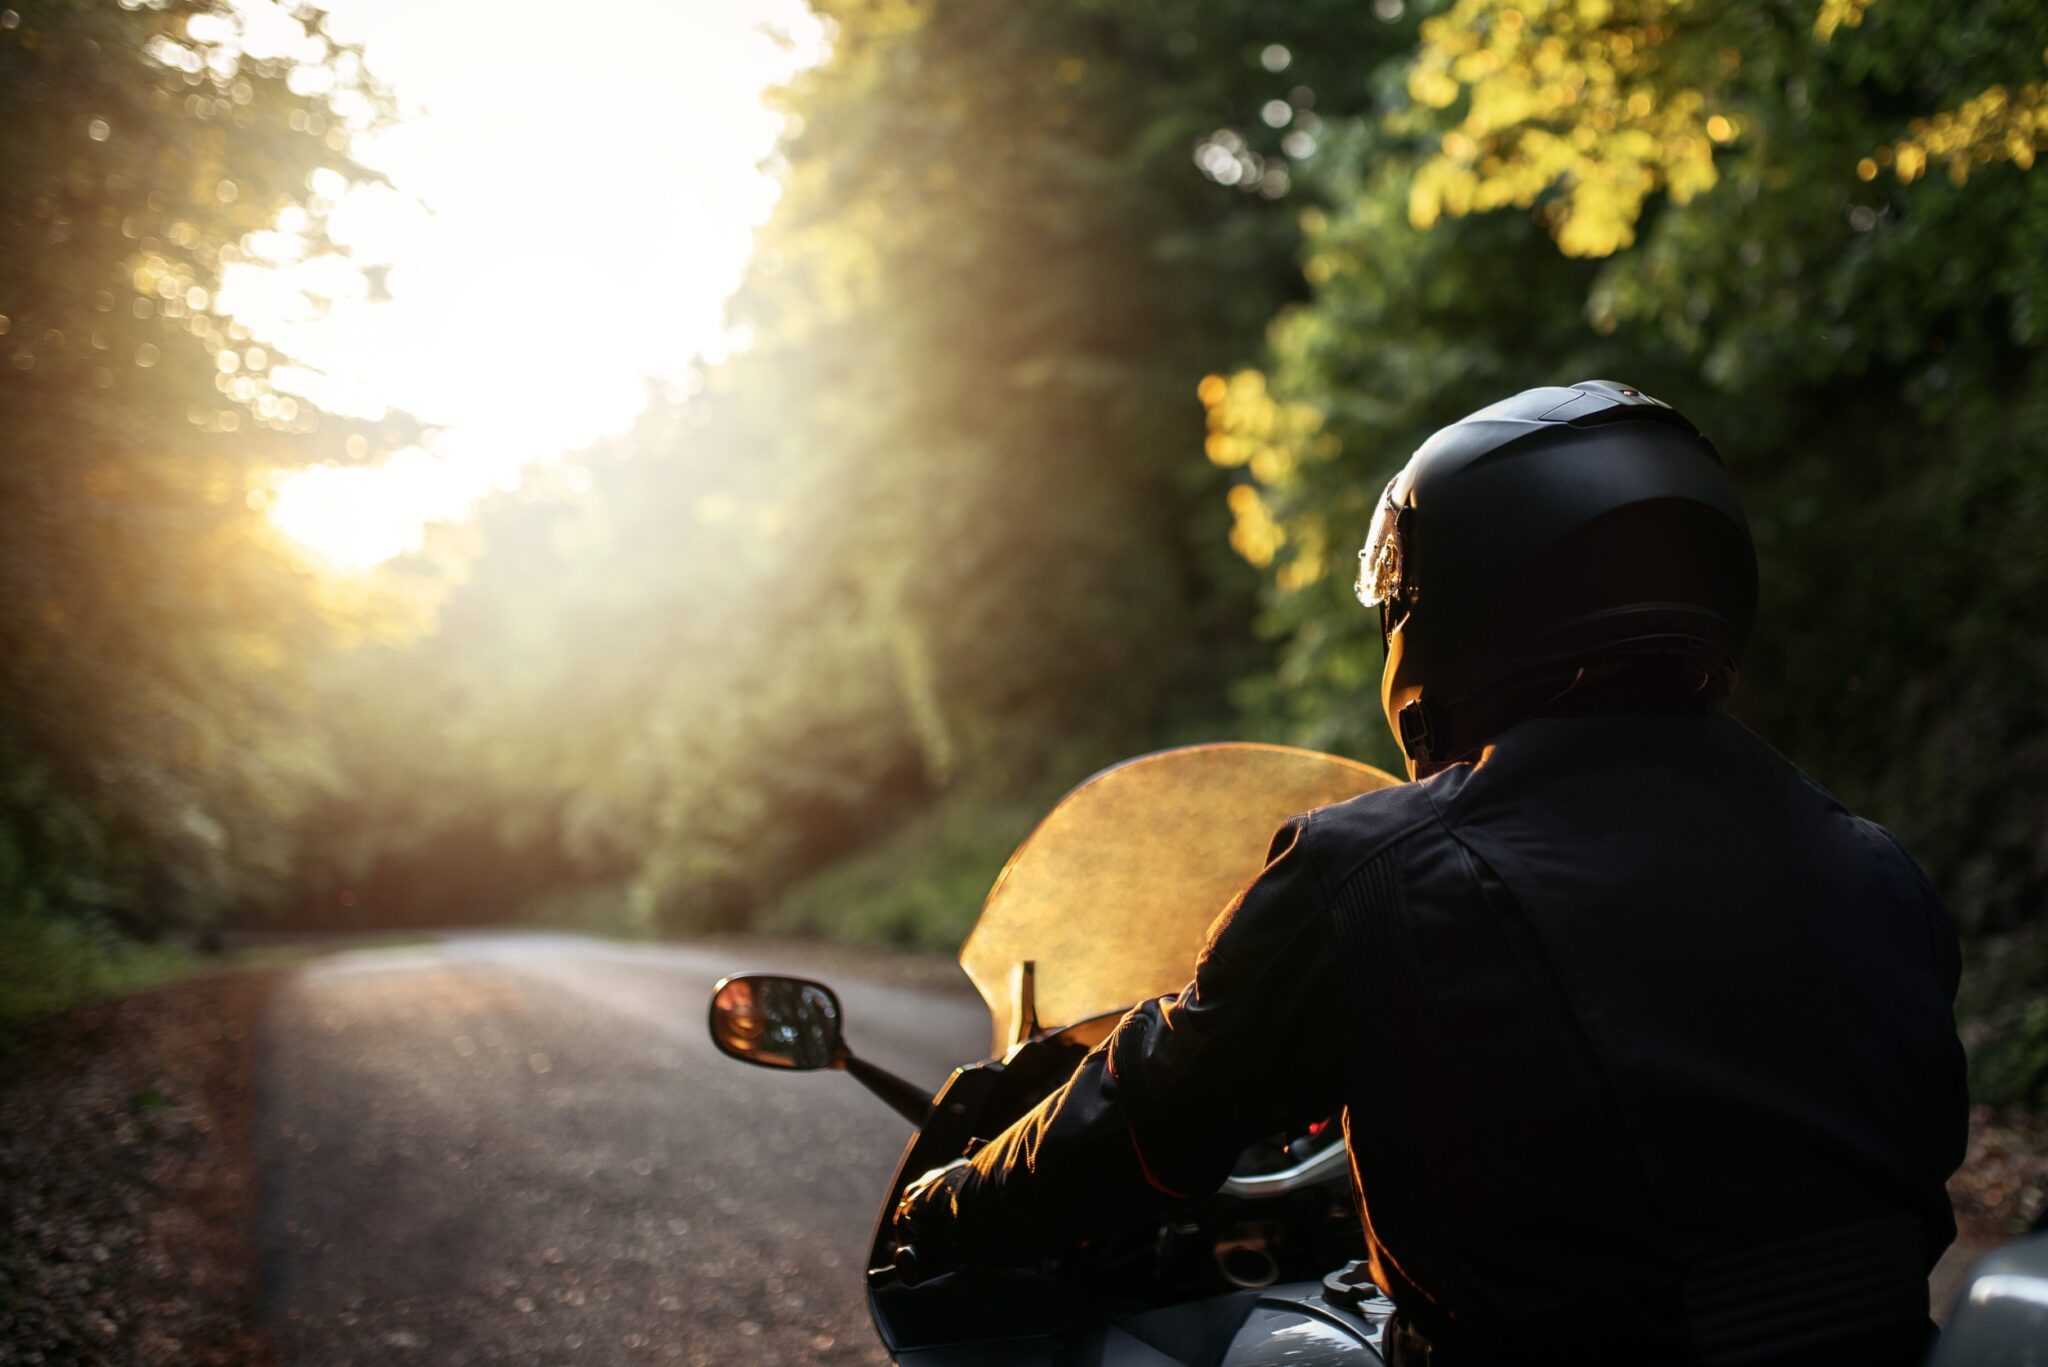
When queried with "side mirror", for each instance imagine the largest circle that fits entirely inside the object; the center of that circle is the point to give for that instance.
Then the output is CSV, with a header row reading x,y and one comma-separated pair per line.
x,y
777,1022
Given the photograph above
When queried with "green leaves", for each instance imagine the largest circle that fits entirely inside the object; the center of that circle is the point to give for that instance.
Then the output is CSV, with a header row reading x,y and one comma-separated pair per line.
x,y
1864,349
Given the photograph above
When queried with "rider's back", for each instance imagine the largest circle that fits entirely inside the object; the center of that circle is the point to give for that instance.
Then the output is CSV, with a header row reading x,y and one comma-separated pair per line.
x,y
1645,1044
1659,1061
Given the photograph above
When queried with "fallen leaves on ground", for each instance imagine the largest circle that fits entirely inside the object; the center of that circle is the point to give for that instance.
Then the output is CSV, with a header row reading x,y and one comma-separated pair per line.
x,y
127,1188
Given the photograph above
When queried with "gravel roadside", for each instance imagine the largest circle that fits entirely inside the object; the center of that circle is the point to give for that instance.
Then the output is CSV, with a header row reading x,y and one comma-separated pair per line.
x,y
127,1181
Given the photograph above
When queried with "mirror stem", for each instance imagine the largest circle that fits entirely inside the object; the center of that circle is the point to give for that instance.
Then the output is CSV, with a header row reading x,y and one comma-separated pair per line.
x,y
903,1097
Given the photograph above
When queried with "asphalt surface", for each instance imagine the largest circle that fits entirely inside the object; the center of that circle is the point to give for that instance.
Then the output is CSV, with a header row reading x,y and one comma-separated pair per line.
x,y
523,1149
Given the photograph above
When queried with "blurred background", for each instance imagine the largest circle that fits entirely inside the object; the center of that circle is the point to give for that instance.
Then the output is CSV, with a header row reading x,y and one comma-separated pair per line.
x,y
664,468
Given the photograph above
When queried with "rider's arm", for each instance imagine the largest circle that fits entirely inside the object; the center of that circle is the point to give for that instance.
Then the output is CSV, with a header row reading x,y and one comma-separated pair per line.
x,y
1160,1110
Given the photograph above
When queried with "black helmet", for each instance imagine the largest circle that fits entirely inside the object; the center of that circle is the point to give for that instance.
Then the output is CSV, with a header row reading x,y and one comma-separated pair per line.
x,y
1565,541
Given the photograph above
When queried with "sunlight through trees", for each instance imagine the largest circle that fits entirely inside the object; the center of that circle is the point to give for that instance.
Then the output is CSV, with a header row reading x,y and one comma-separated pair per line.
x,y
1060,384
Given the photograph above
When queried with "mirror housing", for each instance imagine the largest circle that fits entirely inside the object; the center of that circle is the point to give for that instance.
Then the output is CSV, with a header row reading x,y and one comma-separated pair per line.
x,y
776,1022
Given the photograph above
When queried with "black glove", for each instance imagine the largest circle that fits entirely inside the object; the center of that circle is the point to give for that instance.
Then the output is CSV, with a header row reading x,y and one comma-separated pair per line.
x,y
927,1221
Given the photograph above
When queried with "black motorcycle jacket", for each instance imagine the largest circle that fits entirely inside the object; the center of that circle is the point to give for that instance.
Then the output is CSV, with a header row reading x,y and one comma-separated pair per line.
x,y
1643,1044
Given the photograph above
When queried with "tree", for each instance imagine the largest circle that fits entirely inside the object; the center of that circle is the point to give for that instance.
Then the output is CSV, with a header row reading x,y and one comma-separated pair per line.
x,y
932,536
155,749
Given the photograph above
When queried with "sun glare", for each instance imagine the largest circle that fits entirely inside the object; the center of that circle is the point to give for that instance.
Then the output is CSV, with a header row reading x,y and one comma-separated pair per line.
x,y
572,198
356,517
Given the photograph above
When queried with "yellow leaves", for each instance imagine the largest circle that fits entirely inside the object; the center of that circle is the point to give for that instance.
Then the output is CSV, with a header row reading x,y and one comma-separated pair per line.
x,y
1993,126
1254,534
1689,171
1433,88
1439,186
1560,95
1576,103
1249,429
1298,573
1604,206
1838,14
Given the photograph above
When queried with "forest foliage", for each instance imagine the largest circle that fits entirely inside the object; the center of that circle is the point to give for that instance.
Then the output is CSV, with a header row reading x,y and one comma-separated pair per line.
x,y
158,746
1078,346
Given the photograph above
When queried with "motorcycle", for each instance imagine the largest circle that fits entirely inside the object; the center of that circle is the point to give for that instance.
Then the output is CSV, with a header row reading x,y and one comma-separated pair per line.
x,y
1265,1270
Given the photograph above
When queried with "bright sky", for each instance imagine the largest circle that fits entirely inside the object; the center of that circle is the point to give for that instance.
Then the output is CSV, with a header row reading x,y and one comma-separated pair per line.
x,y
574,192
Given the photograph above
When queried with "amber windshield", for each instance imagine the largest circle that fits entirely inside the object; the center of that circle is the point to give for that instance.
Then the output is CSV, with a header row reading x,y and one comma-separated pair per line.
x,y
1112,896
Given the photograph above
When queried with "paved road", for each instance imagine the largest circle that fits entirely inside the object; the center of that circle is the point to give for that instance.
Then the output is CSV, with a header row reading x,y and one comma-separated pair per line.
x,y
523,1149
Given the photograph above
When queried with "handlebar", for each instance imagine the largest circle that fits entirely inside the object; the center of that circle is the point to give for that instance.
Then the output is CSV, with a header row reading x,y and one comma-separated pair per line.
x,y
1318,1167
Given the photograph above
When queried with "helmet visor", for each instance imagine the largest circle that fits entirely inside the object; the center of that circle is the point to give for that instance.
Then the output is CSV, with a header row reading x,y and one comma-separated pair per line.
x,y
1380,561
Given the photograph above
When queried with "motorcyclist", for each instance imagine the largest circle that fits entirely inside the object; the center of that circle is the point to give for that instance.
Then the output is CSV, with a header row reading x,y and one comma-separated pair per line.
x,y
1643,1044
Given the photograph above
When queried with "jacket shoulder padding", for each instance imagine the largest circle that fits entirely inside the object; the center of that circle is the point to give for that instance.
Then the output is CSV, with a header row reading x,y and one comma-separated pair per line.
x,y
1343,837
